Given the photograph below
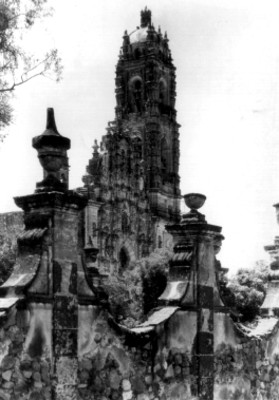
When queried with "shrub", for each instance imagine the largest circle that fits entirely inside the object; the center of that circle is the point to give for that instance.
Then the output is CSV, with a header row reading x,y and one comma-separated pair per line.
x,y
134,292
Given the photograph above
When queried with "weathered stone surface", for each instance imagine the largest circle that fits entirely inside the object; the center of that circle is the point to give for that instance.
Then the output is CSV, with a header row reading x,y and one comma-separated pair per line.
x,y
7,375
126,385
27,374
127,395
8,362
115,379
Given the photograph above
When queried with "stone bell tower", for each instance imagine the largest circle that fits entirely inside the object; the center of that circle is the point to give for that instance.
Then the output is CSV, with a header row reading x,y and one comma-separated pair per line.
x,y
145,95
132,178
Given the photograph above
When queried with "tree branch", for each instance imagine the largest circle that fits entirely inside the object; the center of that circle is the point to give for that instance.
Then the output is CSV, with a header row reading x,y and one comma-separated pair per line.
x,y
16,84
28,78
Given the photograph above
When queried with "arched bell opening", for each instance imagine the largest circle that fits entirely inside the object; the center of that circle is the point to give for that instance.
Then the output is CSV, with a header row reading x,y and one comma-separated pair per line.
x,y
136,95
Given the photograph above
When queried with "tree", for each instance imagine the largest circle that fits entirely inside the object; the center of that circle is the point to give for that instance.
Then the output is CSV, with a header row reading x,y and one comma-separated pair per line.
x,y
18,63
134,292
246,290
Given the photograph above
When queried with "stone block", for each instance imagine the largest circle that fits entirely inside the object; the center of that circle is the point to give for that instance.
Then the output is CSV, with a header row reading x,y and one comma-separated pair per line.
x,y
127,395
7,375
8,362
115,379
126,385
27,374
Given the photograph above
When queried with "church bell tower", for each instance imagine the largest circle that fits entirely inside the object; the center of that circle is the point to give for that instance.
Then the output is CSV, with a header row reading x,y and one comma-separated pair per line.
x,y
132,178
145,95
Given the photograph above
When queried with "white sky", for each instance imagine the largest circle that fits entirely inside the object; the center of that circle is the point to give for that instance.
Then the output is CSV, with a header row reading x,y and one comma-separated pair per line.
x,y
227,58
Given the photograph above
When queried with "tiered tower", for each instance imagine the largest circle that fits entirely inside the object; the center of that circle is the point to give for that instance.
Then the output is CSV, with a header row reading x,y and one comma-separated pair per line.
x,y
132,180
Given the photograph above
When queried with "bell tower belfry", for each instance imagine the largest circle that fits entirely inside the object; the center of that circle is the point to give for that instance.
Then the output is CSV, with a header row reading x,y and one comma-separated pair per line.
x,y
132,178
145,95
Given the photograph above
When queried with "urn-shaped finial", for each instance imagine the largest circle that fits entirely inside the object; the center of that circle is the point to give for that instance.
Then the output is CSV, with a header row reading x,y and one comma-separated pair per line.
x,y
194,201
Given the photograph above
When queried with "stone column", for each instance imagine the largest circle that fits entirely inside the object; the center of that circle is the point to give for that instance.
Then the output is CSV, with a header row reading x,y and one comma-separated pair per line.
x,y
65,300
193,274
56,210
205,274
58,213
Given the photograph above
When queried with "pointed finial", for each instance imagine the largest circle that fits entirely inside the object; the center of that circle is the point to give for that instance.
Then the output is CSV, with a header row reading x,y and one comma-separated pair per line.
x,y
52,152
145,18
95,147
159,30
50,123
126,39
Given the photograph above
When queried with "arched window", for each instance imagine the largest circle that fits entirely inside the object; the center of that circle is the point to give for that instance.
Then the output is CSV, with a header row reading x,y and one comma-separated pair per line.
x,y
137,54
63,178
162,91
160,243
163,98
123,258
136,95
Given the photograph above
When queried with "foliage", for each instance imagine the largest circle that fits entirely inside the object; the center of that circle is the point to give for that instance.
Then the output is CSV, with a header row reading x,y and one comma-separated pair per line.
x,y
134,293
7,257
18,63
246,290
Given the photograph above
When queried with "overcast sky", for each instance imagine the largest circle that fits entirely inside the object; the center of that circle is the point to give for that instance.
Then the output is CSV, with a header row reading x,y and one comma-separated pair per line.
x,y
227,58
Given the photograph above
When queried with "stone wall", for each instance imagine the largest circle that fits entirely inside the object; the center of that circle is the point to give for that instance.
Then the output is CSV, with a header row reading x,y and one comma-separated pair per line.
x,y
25,366
124,365
115,366
249,369
160,359
58,340
11,224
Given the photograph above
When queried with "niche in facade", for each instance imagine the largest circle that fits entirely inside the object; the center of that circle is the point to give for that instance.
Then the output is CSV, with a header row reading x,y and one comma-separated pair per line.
x,y
163,97
136,95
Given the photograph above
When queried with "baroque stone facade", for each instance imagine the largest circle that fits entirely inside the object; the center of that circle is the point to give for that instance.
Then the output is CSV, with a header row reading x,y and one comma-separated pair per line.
x,y
132,180
58,339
